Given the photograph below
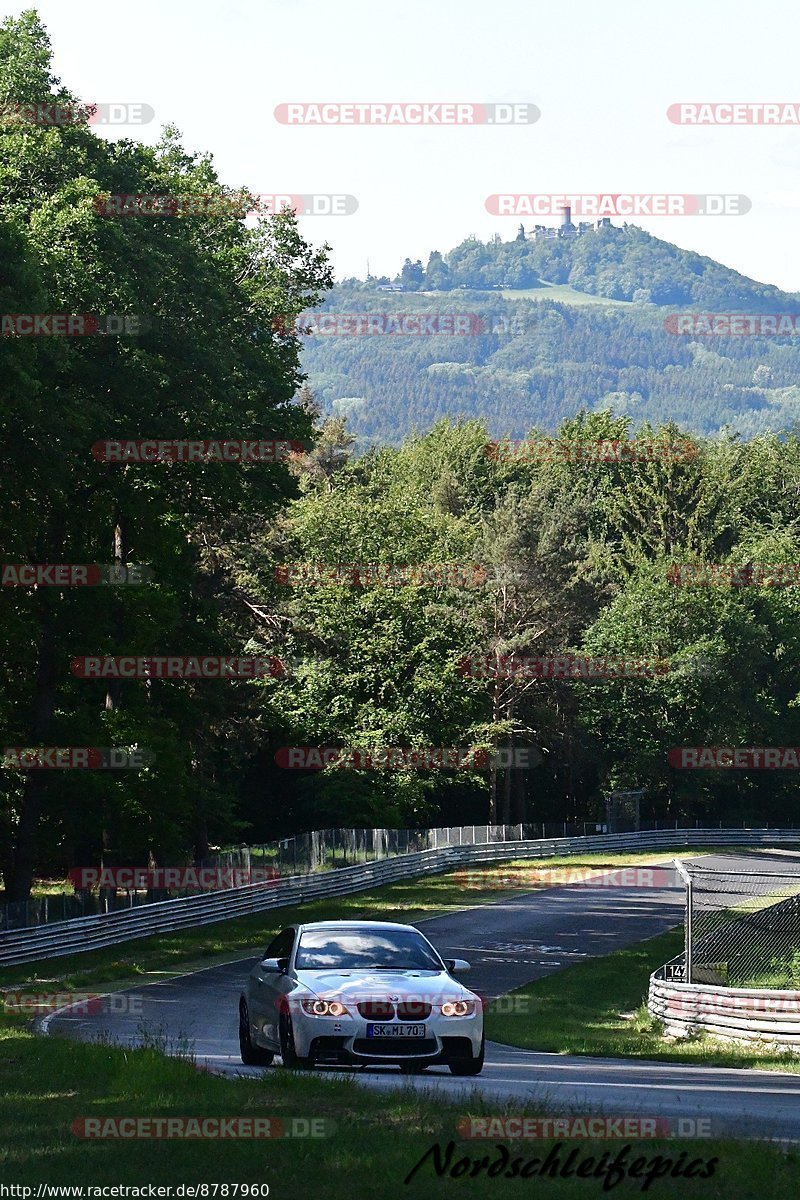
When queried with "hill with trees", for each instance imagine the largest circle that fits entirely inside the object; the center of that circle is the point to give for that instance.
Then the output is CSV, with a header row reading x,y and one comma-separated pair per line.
x,y
564,324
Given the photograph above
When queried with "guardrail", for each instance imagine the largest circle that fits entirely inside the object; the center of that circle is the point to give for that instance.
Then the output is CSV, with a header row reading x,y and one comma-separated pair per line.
x,y
109,929
733,1014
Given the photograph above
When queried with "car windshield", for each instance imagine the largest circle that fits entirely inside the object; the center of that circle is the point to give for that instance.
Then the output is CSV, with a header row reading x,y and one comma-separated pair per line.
x,y
365,949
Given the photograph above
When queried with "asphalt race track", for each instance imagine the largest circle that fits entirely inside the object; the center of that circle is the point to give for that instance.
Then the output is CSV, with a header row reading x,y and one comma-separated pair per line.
x,y
508,943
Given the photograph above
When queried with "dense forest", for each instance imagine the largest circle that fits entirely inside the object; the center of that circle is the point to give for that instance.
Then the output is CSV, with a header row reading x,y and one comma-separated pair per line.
x,y
566,324
575,554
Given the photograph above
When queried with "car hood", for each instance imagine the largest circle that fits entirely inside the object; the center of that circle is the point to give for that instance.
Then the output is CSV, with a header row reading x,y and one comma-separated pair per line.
x,y
356,986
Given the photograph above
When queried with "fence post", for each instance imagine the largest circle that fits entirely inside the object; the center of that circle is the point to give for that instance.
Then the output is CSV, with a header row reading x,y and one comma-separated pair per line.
x,y
687,929
688,939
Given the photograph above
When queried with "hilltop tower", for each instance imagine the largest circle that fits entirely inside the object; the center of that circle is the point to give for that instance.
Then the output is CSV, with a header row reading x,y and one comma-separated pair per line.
x,y
566,228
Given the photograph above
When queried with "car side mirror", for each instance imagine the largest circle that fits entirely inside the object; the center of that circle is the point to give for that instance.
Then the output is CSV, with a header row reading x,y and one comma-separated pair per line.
x,y
457,965
274,965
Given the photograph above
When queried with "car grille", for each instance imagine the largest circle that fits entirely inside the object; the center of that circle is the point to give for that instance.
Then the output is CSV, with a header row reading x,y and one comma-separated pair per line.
x,y
413,1010
377,1010
385,1010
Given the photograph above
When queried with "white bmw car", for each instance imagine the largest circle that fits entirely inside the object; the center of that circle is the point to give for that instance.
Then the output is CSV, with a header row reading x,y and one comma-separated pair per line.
x,y
359,992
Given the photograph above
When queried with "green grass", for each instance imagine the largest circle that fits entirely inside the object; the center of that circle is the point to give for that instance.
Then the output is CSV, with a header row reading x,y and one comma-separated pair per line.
x,y
373,1139
598,1008
563,293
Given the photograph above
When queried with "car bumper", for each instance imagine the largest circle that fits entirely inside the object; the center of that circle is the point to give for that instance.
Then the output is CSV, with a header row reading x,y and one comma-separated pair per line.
x,y
346,1040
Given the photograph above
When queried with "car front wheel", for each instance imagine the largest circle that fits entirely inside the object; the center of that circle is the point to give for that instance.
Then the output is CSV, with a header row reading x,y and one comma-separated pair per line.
x,y
251,1055
468,1066
289,1054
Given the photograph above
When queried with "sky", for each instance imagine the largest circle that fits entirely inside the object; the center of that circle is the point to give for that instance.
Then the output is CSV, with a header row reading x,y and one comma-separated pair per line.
x,y
602,76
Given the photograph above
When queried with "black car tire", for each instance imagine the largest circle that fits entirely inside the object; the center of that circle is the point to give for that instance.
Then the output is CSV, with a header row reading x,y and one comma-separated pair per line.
x,y
252,1056
289,1055
468,1066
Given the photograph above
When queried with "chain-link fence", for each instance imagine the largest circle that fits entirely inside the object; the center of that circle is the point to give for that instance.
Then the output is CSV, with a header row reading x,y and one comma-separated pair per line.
x,y
742,924
67,906
328,849
321,850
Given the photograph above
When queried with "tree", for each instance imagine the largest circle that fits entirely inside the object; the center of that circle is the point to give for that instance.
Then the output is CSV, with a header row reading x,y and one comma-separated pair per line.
x,y
437,273
412,275
208,364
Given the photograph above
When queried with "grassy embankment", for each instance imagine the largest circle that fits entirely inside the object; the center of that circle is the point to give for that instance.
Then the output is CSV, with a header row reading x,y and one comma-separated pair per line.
x,y
370,1146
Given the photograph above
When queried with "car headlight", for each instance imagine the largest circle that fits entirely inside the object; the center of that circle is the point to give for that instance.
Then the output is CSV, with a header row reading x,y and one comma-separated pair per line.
x,y
323,1008
458,1008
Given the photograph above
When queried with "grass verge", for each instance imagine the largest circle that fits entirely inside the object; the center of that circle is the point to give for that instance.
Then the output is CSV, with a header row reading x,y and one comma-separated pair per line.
x,y
596,1008
373,1140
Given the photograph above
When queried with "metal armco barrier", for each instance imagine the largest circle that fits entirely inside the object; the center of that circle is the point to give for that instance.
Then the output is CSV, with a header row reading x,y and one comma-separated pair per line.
x,y
109,929
735,1014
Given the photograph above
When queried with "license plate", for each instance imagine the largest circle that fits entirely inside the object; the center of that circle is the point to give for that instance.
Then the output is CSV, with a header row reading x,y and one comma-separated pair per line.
x,y
396,1031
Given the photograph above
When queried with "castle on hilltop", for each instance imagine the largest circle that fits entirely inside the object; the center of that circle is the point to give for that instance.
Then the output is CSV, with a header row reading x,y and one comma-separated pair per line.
x,y
565,230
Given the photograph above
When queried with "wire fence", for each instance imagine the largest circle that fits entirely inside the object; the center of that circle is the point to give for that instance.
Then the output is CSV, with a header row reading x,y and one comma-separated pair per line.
x,y
329,849
742,926
320,850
